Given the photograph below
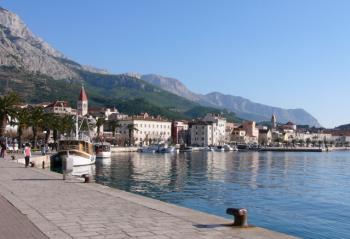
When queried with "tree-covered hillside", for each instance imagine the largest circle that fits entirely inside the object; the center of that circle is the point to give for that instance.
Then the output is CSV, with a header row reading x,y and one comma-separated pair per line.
x,y
130,95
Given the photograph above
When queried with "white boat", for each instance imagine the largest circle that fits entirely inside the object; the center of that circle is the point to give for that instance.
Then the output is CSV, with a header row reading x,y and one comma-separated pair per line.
x,y
102,150
209,149
153,148
167,149
77,150
227,147
219,149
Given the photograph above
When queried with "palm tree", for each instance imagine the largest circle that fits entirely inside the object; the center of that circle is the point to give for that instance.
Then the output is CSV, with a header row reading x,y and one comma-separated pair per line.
x,y
308,141
22,122
49,123
8,109
113,125
131,128
36,121
67,124
99,123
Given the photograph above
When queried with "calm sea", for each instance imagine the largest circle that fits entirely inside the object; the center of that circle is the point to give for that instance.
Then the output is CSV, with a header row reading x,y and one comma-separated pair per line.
x,y
301,194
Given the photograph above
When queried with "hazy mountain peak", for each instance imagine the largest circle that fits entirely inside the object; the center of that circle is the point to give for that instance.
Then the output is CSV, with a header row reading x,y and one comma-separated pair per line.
x,y
243,107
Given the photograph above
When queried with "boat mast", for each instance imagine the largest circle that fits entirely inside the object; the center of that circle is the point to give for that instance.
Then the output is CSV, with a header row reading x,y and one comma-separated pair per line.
x,y
76,128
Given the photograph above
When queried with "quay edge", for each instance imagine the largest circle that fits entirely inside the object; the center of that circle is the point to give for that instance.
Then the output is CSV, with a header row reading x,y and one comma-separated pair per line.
x,y
95,210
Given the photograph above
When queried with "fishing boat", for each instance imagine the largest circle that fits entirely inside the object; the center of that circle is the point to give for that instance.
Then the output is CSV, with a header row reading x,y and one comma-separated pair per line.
x,y
78,150
103,150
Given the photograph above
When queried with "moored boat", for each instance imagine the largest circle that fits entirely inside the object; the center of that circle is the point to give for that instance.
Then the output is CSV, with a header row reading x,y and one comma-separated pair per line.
x,y
220,149
102,150
153,148
208,149
77,151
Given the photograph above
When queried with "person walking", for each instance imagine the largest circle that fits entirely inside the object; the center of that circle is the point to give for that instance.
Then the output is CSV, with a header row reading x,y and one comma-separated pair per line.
x,y
3,150
27,154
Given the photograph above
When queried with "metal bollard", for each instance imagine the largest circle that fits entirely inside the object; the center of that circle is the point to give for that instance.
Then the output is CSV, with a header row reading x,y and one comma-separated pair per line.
x,y
87,178
64,166
240,216
43,164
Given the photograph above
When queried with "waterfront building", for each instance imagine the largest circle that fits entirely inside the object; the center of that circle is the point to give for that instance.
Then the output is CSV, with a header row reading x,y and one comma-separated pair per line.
x,y
265,137
252,132
210,131
146,129
203,133
82,105
238,135
60,107
180,132
219,126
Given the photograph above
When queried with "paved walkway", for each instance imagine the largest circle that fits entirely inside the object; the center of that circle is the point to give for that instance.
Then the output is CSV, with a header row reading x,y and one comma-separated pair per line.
x,y
71,209
13,224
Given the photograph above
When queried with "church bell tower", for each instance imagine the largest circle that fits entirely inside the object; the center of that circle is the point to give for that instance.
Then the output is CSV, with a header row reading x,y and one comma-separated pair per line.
x,y
82,105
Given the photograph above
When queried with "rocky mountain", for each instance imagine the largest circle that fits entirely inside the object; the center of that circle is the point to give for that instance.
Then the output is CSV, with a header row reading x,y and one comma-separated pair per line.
x,y
247,109
19,47
39,73
172,85
32,67
243,107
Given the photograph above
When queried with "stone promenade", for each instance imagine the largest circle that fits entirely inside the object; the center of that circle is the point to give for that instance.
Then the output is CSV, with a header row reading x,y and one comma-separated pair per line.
x,y
72,209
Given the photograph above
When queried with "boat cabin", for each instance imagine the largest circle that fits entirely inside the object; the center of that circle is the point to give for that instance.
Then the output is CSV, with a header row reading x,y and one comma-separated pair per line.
x,y
75,145
105,147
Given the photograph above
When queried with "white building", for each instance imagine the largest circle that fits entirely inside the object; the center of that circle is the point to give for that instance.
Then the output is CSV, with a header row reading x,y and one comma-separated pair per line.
x,y
202,134
209,131
147,130
220,126
60,107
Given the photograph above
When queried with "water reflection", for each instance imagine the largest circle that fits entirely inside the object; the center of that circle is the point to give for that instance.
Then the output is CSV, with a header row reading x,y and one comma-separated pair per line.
x,y
277,188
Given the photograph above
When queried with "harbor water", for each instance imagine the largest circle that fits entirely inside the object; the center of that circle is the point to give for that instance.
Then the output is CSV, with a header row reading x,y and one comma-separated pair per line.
x,y
301,194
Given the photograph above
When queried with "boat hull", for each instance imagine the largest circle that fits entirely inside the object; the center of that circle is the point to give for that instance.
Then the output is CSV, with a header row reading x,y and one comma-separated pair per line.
x,y
78,158
103,154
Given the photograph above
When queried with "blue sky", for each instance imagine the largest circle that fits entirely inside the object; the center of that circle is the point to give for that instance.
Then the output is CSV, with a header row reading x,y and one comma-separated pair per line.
x,y
291,54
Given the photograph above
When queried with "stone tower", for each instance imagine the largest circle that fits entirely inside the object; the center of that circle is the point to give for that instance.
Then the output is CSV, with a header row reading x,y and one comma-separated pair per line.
x,y
82,105
273,121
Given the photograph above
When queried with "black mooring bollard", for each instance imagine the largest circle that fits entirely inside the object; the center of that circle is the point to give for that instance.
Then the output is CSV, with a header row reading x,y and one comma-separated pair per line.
x,y
87,178
240,216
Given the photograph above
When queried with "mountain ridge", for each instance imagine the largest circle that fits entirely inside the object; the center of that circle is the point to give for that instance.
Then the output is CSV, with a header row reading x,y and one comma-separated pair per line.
x,y
26,55
243,107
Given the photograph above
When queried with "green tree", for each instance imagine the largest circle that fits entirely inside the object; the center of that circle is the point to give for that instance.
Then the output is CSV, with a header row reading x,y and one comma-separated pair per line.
x,y
36,121
49,124
22,122
66,124
131,128
113,125
308,141
99,123
8,108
